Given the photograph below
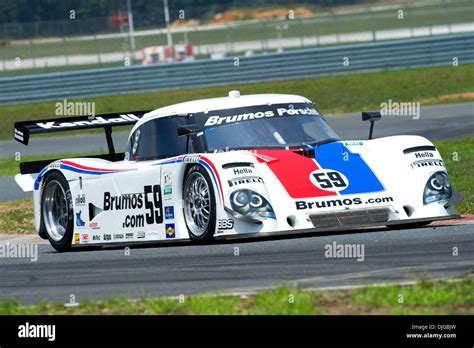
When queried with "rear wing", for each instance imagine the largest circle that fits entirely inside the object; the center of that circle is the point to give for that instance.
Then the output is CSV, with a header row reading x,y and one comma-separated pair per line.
x,y
24,129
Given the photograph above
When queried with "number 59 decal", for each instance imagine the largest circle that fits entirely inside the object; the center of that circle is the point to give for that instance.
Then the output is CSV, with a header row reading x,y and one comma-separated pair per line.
x,y
329,180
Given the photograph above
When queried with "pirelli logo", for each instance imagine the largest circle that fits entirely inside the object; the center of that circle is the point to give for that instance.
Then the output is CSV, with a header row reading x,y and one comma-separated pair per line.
x,y
428,163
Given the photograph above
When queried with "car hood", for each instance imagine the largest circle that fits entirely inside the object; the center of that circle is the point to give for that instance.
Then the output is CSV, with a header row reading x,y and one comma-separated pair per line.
x,y
338,170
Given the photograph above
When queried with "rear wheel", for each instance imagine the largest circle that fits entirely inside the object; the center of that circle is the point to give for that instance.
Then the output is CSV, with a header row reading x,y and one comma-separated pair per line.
x,y
199,204
57,212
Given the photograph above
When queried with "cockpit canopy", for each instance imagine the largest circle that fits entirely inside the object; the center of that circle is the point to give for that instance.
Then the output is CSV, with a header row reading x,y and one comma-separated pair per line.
x,y
295,125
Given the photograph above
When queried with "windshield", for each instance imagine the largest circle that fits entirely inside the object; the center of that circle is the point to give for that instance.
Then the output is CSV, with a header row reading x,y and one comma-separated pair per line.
x,y
265,126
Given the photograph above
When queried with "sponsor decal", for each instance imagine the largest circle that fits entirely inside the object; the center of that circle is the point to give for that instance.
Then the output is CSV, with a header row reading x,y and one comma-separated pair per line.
x,y
243,171
424,154
353,143
118,236
170,231
77,238
167,183
299,109
150,199
85,238
80,200
340,202
123,202
427,163
191,159
98,120
107,237
246,180
167,179
169,212
94,225
330,180
96,237
141,234
54,165
79,221
225,224
129,235
167,193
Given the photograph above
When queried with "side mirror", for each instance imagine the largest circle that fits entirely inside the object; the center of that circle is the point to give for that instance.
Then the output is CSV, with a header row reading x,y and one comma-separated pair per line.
x,y
371,116
189,129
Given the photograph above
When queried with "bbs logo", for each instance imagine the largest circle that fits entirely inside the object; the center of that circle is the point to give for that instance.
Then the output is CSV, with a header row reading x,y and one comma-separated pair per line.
x,y
329,180
225,224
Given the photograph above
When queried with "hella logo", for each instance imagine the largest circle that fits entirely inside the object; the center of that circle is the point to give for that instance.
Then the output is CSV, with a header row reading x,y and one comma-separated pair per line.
x,y
423,154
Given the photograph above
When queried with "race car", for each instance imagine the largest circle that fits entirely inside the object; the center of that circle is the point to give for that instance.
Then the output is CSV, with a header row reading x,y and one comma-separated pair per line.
x,y
236,166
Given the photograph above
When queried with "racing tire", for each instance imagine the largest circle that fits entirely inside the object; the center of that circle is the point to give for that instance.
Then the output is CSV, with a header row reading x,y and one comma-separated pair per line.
x,y
57,212
199,205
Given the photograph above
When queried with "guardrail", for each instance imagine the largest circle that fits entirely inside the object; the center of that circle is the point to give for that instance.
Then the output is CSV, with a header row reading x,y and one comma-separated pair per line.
x,y
396,54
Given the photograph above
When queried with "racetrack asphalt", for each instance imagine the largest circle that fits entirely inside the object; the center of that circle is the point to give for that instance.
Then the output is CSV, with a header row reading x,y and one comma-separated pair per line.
x,y
172,270
439,122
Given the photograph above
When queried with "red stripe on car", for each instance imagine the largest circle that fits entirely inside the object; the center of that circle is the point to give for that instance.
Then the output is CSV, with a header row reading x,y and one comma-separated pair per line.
x,y
293,171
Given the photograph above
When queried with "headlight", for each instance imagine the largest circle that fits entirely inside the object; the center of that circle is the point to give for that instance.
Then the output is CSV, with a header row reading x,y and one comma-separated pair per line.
x,y
437,189
251,206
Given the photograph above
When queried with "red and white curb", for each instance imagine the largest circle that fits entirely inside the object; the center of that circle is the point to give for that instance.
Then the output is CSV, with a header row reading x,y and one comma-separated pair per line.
x,y
463,220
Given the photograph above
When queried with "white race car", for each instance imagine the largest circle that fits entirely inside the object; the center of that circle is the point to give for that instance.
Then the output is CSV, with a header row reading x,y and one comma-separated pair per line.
x,y
230,167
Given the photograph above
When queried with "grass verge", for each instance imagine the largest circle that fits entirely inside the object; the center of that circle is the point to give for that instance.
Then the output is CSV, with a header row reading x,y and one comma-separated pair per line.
x,y
458,156
424,297
17,217
333,94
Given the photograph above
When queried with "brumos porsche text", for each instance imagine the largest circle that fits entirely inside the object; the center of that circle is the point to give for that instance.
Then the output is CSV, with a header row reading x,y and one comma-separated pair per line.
x,y
150,199
218,120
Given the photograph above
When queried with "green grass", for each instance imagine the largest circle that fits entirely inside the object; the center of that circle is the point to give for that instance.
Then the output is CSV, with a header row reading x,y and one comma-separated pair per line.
x,y
458,156
414,16
333,94
426,297
17,217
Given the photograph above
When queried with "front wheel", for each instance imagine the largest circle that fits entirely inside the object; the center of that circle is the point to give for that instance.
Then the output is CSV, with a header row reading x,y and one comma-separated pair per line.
x,y
199,204
57,212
